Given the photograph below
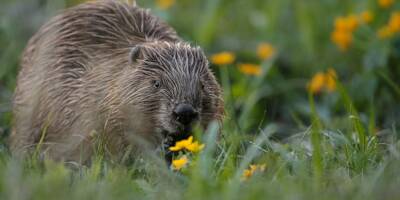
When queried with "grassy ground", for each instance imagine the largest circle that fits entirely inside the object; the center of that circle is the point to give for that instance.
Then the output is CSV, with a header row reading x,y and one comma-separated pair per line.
x,y
316,113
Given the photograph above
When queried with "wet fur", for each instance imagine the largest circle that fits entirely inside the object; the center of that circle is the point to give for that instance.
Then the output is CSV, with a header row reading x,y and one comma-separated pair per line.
x,y
78,81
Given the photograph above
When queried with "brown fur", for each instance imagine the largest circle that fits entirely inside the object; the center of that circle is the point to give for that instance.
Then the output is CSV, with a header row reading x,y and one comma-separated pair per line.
x,y
78,80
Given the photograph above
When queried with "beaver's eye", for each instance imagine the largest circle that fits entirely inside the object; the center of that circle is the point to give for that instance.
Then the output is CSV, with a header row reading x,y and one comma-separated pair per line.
x,y
202,86
156,84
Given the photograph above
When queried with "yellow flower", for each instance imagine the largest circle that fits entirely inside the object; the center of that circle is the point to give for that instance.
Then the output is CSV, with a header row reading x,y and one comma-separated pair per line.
x,y
323,80
261,168
385,32
181,144
366,17
342,39
346,24
394,22
195,147
330,80
250,69
342,35
223,58
341,24
187,144
317,83
178,164
165,4
392,27
385,3
247,173
265,51
352,22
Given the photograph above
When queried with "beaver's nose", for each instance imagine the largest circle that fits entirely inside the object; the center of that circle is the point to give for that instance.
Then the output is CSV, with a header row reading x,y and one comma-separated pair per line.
x,y
185,114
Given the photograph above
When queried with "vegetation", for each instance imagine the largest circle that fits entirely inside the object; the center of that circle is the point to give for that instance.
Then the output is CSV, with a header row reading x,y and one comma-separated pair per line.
x,y
312,94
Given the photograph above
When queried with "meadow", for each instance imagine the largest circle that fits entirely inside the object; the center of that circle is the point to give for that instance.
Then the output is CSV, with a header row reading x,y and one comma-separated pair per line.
x,y
312,99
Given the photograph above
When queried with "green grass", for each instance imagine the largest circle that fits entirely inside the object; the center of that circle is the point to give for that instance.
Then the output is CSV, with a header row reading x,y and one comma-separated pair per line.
x,y
330,145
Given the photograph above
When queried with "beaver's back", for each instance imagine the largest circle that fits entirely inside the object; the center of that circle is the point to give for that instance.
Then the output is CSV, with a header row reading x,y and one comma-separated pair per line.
x,y
57,76
98,28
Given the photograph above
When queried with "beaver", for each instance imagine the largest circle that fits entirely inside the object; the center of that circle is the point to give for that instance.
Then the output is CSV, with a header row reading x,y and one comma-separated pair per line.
x,y
111,69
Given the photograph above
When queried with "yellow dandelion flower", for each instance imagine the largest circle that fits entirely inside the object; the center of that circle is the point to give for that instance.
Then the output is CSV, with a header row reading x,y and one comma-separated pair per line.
x,y
330,80
223,58
182,144
366,17
352,22
317,83
195,147
265,51
323,81
250,69
254,168
187,144
342,39
342,36
392,27
385,3
341,24
348,24
247,173
178,164
165,4
394,22
385,32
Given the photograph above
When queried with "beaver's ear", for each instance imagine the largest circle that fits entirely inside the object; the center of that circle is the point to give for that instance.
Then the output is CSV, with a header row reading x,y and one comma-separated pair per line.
x,y
135,54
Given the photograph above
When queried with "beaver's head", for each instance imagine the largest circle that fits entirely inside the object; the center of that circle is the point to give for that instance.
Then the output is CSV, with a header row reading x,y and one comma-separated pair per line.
x,y
175,87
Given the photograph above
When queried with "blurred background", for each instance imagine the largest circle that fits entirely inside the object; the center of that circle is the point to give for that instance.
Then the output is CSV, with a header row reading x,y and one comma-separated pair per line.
x,y
269,55
312,98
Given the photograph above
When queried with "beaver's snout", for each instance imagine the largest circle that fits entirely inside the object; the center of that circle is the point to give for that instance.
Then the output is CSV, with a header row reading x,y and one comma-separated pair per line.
x,y
185,114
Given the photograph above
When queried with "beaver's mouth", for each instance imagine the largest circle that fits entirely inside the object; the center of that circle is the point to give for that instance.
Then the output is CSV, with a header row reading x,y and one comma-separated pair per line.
x,y
170,138
180,134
